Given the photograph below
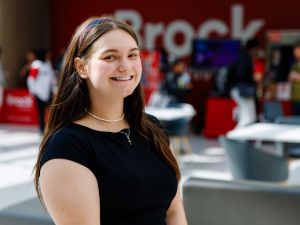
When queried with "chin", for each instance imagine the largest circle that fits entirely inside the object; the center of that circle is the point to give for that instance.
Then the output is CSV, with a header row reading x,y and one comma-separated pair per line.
x,y
128,92
122,93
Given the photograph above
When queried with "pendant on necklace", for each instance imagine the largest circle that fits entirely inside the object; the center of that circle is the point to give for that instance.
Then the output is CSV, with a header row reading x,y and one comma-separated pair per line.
x,y
129,141
127,136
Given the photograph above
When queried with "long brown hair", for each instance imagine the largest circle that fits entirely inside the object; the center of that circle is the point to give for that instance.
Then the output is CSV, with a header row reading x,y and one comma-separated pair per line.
x,y
72,95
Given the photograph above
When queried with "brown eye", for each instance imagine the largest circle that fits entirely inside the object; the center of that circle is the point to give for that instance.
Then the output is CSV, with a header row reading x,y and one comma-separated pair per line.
x,y
109,58
133,55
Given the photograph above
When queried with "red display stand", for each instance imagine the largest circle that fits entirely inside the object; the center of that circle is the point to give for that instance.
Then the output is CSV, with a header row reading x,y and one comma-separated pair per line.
x,y
219,116
151,76
18,107
287,108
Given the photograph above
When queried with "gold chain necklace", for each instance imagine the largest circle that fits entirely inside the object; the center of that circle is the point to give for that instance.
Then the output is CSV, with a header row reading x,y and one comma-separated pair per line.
x,y
101,119
106,120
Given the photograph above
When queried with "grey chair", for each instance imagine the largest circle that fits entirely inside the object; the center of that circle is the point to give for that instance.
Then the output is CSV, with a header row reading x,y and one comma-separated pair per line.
x,y
272,110
29,212
293,149
239,202
248,162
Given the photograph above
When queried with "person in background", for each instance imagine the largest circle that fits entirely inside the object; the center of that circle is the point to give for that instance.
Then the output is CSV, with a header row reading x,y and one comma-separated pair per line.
x,y
177,82
294,79
24,72
59,62
103,160
41,83
2,78
242,83
49,68
164,64
272,73
259,71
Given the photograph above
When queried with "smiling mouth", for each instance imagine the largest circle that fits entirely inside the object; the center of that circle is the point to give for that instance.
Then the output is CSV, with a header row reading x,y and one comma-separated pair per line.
x,y
122,78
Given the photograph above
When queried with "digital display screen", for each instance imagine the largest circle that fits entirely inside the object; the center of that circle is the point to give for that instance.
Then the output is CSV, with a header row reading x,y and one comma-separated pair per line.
x,y
214,53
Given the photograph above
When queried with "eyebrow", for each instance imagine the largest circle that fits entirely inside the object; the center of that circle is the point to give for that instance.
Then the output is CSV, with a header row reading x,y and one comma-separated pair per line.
x,y
115,50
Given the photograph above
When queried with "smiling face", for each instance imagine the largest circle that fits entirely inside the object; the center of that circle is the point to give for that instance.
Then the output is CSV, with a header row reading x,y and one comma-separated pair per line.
x,y
114,68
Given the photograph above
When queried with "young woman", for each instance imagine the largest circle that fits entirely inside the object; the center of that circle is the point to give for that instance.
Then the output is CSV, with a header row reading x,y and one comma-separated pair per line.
x,y
102,158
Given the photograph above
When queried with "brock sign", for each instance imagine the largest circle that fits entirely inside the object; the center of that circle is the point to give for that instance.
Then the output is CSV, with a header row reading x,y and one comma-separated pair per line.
x,y
151,31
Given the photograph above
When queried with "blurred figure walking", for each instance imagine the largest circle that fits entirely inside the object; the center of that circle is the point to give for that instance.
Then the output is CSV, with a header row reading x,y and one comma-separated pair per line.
x,y
243,91
294,78
41,84
177,82
24,72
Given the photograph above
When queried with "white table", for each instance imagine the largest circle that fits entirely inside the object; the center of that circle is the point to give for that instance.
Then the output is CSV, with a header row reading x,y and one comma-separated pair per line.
x,y
284,133
185,111
172,113
278,133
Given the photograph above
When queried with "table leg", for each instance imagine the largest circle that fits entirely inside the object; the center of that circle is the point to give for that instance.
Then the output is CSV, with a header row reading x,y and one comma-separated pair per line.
x,y
281,149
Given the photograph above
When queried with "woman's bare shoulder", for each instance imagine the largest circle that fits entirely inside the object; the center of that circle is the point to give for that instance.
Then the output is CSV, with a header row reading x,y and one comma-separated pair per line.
x,y
70,192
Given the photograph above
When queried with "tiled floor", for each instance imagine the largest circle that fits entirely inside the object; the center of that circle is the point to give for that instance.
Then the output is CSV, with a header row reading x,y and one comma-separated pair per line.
x,y
206,160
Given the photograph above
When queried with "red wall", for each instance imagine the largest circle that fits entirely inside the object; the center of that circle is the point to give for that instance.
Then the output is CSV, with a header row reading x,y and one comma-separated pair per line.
x,y
67,14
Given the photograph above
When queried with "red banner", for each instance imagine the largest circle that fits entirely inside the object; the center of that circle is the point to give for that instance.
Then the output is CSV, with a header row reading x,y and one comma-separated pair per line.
x,y
173,24
151,76
18,107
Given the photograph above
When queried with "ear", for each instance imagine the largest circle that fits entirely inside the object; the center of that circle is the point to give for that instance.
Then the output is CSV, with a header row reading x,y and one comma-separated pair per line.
x,y
80,67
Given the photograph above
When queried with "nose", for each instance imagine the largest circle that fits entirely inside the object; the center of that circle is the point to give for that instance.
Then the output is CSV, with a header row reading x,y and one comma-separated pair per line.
x,y
123,65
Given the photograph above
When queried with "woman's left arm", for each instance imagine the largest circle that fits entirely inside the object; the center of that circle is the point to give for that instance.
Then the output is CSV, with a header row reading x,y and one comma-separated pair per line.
x,y
175,213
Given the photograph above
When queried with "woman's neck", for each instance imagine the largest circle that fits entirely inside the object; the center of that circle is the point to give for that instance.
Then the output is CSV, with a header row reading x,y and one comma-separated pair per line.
x,y
109,110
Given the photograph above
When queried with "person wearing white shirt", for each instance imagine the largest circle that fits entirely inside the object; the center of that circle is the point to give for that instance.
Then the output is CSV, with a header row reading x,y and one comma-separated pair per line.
x,y
41,84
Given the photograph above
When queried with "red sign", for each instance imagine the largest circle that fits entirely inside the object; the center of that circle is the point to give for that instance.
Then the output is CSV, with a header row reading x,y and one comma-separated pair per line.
x,y
151,76
18,107
172,24
151,72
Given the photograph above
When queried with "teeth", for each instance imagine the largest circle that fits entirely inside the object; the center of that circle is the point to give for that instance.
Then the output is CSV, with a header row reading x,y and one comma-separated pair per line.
x,y
122,78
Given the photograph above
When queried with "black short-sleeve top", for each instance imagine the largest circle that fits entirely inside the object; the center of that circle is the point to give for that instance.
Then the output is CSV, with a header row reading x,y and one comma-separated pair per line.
x,y
136,185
